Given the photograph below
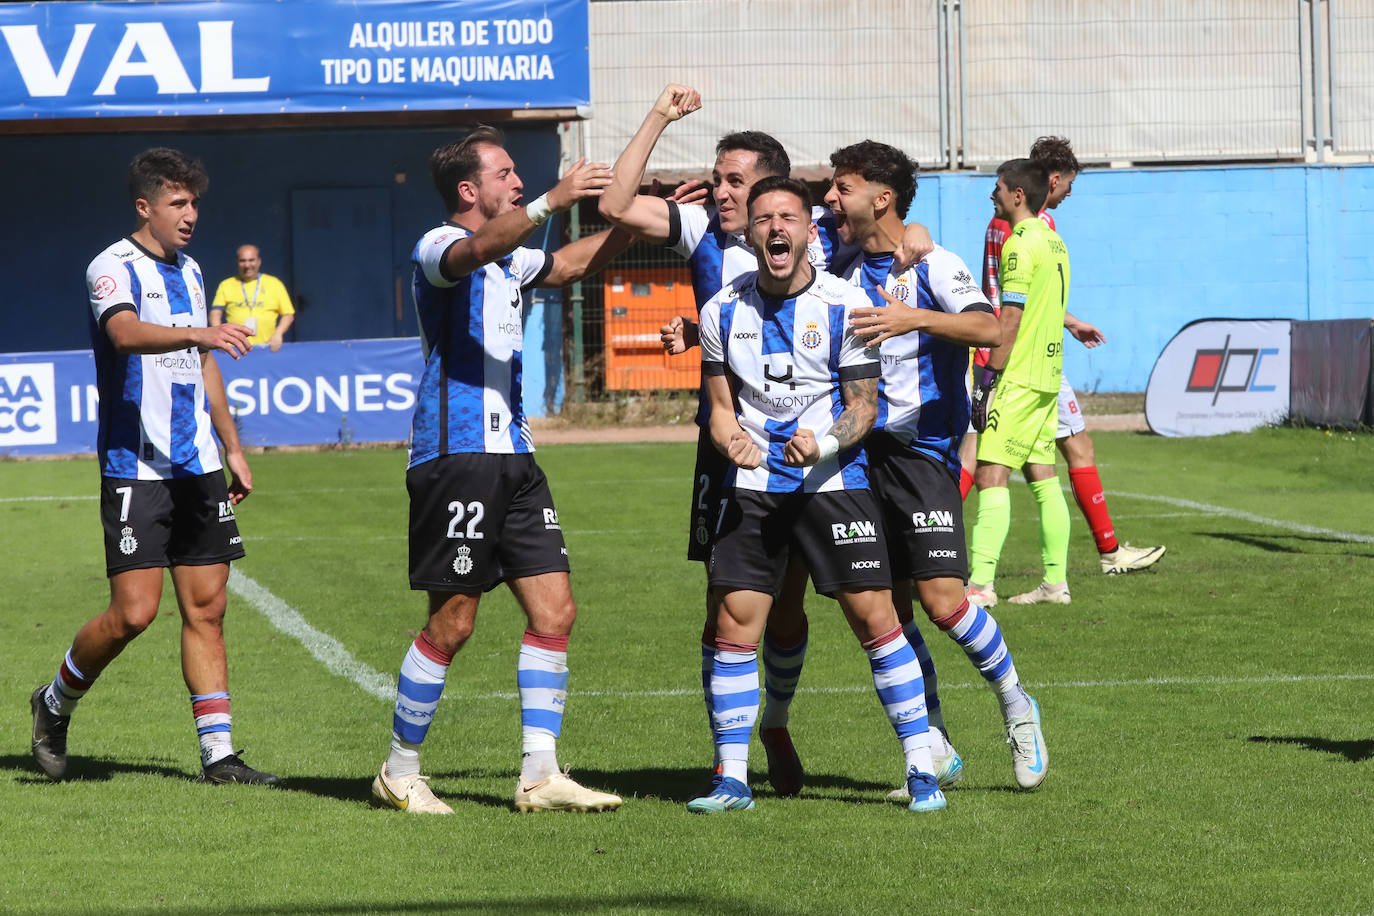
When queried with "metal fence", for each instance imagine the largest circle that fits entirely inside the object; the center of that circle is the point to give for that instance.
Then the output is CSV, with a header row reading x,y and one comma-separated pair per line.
x,y
966,83
1351,52
956,84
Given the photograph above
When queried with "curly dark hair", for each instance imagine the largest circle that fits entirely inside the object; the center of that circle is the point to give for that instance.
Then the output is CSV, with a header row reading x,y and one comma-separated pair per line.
x,y
154,170
881,164
1055,154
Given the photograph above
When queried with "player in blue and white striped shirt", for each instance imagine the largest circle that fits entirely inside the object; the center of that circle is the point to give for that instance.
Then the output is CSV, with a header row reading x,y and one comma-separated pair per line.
x,y
924,319
480,508
163,498
793,392
717,251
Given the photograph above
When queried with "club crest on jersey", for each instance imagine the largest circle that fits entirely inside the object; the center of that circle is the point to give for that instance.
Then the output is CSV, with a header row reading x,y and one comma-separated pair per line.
x,y
901,291
462,563
811,337
128,543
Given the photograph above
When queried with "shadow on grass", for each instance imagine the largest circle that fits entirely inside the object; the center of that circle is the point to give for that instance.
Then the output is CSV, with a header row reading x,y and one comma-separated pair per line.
x,y
1287,543
598,903
88,769
1354,751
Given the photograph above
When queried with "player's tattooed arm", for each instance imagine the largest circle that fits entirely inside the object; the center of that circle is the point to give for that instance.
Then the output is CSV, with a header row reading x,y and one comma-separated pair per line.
x,y
860,396
854,422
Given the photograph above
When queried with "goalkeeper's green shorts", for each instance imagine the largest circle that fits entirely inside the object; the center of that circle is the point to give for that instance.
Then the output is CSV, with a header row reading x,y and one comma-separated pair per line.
x,y
1021,427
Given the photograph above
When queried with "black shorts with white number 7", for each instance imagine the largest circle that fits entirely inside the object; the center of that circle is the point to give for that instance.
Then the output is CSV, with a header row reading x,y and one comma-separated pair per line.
x,y
184,521
707,491
477,520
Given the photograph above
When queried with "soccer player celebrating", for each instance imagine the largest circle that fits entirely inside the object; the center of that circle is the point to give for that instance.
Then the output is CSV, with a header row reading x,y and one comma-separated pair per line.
x,y
718,251
480,508
1023,373
792,394
164,502
1072,438
924,319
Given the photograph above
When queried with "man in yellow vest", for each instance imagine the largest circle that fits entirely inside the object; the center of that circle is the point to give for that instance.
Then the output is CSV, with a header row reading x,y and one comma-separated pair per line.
x,y
256,300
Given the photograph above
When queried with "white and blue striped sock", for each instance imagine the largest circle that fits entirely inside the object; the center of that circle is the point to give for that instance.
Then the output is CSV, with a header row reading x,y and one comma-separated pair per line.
x,y
977,633
543,681
782,667
932,685
734,705
897,678
418,690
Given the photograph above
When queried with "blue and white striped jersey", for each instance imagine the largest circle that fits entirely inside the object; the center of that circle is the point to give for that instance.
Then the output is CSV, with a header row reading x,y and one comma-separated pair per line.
x,y
922,398
716,257
154,412
788,358
469,398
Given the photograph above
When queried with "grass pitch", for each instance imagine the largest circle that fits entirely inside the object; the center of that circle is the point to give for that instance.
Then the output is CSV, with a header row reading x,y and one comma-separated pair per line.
x,y
1209,725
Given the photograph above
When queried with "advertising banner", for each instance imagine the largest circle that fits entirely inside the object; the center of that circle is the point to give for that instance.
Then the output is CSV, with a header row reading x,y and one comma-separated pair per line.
x,y
101,60
1220,375
317,393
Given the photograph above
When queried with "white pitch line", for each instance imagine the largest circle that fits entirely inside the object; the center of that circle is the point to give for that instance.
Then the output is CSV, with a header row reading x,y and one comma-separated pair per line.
x,y
46,499
338,660
1248,517
1240,514
327,650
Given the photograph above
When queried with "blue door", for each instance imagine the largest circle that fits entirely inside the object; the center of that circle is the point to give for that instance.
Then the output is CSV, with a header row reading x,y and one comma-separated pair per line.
x,y
345,282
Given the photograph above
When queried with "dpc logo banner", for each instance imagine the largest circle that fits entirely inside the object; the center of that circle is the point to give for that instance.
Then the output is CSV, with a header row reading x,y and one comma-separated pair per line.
x,y
88,60
1220,375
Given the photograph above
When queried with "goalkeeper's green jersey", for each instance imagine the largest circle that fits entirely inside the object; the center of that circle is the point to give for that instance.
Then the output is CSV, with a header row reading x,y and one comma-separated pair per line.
x,y
1034,275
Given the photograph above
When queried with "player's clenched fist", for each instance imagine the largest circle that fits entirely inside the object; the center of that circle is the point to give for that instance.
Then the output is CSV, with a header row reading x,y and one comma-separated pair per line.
x,y
676,101
801,450
679,335
742,451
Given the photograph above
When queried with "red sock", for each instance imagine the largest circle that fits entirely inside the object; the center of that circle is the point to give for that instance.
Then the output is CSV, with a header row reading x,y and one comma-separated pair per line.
x,y
965,483
1087,490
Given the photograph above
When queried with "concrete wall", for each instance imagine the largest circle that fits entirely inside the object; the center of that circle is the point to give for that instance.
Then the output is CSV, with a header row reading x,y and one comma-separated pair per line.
x,y
1153,249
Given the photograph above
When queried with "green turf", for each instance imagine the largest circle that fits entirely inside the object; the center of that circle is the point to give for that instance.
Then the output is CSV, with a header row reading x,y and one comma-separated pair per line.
x,y
1209,726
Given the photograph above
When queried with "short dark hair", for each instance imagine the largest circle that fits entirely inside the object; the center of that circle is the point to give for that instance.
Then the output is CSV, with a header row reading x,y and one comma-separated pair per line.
x,y
460,161
1055,154
772,159
881,164
154,170
780,183
1028,175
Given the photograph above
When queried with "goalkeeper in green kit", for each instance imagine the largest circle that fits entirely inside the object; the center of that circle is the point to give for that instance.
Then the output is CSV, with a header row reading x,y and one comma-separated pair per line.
x,y
1015,397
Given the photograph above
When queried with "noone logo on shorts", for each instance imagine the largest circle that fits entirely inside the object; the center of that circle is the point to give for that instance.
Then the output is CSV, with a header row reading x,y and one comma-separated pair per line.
x,y
28,410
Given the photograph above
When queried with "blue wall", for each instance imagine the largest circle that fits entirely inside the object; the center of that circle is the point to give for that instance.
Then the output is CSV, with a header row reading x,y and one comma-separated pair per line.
x,y
1153,249
67,200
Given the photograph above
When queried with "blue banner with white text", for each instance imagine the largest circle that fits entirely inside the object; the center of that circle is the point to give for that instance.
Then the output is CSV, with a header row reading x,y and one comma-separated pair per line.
x,y
315,393
89,60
